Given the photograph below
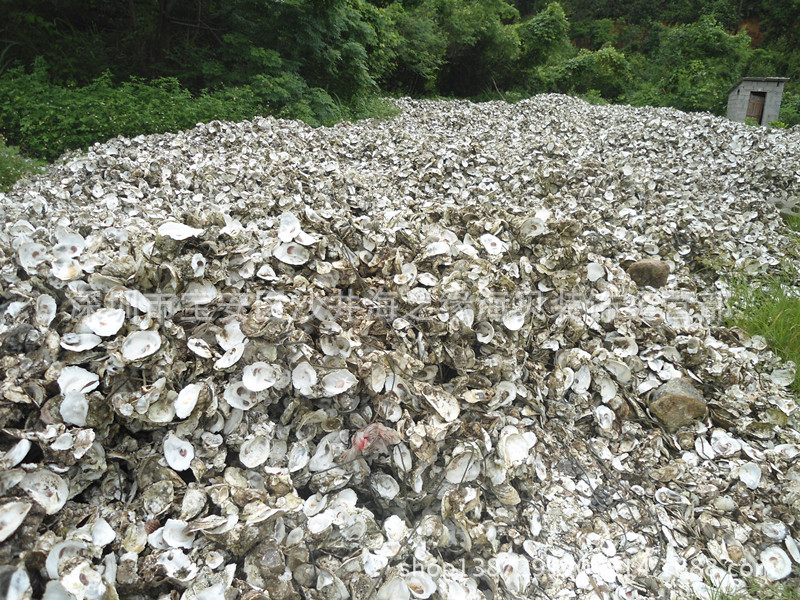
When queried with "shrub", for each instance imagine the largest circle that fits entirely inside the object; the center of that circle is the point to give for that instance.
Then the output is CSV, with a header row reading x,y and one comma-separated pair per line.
x,y
46,119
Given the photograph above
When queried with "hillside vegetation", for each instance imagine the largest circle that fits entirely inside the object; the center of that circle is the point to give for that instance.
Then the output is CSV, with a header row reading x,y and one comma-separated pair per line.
x,y
75,72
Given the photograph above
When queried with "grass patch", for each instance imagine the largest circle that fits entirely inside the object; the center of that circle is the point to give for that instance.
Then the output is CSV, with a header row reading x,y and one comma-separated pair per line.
x,y
14,166
760,590
771,309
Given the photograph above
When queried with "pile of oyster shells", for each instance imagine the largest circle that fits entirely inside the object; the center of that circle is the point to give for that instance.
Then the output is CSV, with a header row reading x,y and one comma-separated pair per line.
x,y
399,358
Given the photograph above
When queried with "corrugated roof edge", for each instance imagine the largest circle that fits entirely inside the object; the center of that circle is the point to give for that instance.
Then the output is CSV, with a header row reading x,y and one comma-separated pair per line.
x,y
768,79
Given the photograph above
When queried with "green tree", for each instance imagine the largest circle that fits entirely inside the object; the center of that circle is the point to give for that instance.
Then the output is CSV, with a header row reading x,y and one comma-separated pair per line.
x,y
482,44
606,70
694,66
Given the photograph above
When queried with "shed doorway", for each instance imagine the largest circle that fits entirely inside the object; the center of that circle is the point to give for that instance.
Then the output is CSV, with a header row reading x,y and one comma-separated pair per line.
x,y
755,108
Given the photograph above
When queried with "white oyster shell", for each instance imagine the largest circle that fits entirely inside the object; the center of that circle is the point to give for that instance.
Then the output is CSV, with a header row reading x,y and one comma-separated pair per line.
x,y
31,255
259,376
12,514
77,379
74,408
776,563
78,342
140,344
187,399
48,490
291,253
178,453
45,310
750,475
338,382
178,231
105,321
237,395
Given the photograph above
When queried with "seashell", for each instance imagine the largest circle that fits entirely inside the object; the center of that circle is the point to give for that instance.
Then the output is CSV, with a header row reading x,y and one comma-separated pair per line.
x,y
774,530
66,269
267,273
47,489
69,245
16,454
792,548
231,336
77,379
335,346
289,227
291,254
505,394
178,453
595,271
304,377
178,231
514,320
62,551
83,581
393,589
259,376
177,565
139,345
79,342
384,485
199,293
507,494
31,255
750,475
484,332
776,563
237,395
298,458
723,444
230,358
604,417
176,535
199,347
512,447
74,408
187,399
532,227
420,584
337,382
619,370
493,245
437,249
320,522
105,321
255,451
45,310
514,571
12,514
427,279
464,467
102,533
198,264
704,449
407,275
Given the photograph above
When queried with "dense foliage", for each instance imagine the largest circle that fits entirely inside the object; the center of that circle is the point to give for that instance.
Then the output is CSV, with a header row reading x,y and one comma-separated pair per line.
x,y
77,71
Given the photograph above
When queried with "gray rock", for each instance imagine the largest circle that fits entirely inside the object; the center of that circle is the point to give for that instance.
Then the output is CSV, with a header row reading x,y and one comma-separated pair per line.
x,y
649,271
677,403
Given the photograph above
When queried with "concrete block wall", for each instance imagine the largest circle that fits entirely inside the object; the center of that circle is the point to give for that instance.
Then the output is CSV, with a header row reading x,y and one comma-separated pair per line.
x,y
739,98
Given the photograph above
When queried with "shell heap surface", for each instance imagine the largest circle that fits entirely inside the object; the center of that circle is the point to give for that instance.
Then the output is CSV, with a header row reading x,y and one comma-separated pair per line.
x,y
400,358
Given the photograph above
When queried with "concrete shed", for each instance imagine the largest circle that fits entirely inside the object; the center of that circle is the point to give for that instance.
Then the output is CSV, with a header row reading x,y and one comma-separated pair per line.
x,y
756,97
